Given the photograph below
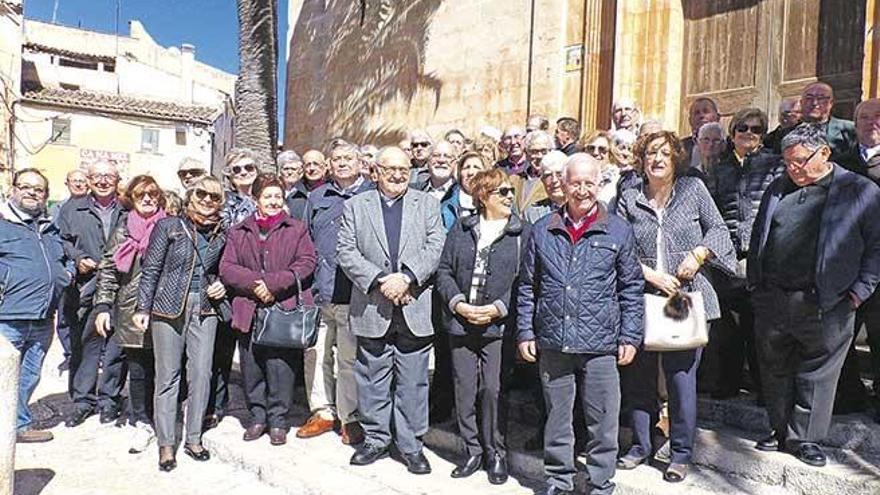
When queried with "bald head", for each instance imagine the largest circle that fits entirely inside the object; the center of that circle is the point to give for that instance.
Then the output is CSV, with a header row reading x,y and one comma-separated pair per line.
x,y
579,164
103,178
817,99
392,156
77,183
393,171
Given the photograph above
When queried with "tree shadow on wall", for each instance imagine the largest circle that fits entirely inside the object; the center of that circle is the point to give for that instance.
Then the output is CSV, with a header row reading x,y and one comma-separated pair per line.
x,y
350,58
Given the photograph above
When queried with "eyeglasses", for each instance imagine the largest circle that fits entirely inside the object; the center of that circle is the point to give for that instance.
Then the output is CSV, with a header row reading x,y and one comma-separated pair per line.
x,y
313,164
152,193
192,172
504,191
201,194
104,177
538,151
421,144
38,190
801,163
821,99
592,148
393,171
249,168
290,170
548,175
754,129
715,142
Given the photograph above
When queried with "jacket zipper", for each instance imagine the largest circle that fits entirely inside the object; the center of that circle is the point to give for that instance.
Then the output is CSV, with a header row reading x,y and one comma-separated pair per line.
x,y
48,272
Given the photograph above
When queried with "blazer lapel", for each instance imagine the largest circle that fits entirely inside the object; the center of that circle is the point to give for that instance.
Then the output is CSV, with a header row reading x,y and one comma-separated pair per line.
x,y
410,206
374,213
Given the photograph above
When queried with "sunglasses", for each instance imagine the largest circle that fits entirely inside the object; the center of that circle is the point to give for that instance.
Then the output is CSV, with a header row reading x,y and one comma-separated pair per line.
x,y
201,194
754,129
592,148
421,144
104,177
249,168
504,191
152,193
193,172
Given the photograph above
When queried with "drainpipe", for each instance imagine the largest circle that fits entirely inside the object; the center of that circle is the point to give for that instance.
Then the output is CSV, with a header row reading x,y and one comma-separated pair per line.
x,y
531,58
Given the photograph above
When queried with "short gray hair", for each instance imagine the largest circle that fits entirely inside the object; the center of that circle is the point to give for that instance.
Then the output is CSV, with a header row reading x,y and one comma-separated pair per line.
x,y
810,136
288,156
710,126
578,159
344,146
536,136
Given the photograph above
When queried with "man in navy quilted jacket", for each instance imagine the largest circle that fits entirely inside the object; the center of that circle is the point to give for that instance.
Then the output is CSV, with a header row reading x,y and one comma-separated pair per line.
x,y
581,312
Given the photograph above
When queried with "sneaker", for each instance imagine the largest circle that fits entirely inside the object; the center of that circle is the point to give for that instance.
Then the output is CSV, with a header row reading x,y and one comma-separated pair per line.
x,y
142,435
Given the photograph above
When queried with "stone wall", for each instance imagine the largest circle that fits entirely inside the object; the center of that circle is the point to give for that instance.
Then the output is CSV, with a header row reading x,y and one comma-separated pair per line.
x,y
10,77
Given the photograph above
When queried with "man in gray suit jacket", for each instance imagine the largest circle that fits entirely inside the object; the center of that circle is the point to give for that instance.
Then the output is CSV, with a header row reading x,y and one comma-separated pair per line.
x,y
390,243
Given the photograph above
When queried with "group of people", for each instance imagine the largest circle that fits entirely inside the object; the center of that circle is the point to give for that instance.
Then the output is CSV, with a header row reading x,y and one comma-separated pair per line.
x,y
492,252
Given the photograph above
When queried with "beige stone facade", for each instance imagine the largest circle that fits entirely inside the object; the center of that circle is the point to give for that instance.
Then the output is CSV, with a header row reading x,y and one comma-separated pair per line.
x,y
11,31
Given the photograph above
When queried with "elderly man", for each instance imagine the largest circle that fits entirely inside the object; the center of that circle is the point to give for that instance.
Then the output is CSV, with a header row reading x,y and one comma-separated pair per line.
x,y
189,170
329,376
512,145
711,145
421,143
390,243
626,115
568,131
817,100
580,320
537,123
551,180
529,189
86,224
35,271
702,111
789,118
406,146
814,259
458,141
290,171
440,181
314,170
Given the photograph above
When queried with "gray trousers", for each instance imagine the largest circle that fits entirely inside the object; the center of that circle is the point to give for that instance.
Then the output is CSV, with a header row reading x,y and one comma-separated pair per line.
x,y
392,379
597,380
801,350
194,335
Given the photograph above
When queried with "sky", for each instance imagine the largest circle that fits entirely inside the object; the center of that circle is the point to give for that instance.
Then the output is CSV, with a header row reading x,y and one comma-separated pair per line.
x,y
210,25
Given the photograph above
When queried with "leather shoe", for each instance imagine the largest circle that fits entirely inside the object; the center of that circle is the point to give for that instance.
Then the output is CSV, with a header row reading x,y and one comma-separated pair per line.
x,y
253,432
417,463
352,433
197,455
316,425
771,443
78,417
277,436
808,453
168,465
34,436
471,466
210,422
552,490
367,454
110,414
497,469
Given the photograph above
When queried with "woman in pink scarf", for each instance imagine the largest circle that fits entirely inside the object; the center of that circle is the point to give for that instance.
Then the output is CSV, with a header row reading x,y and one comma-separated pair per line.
x,y
116,300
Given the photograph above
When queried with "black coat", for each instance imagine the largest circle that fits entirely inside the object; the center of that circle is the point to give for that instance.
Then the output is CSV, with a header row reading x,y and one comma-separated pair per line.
x,y
456,270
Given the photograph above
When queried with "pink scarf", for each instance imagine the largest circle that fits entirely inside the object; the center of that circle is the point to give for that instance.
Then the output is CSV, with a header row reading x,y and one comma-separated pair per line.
x,y
268,223
139,230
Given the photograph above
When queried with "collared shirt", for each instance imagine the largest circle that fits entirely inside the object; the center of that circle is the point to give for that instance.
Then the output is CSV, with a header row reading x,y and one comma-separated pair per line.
x,y
350,190
577,228
439,192
867,153
388,200
106,215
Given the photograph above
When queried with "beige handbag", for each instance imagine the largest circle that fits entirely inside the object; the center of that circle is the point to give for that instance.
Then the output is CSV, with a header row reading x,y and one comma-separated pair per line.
x,y
663,333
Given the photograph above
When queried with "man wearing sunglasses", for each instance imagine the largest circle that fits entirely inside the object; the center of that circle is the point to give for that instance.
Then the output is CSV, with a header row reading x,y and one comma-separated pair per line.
x,y
189,171
34,271
814,259
817,101
421,146
86,224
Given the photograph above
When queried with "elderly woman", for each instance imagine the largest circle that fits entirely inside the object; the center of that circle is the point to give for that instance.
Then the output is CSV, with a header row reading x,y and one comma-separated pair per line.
x,y
487,146
179,296
119,274
461,203
598,145
475,279
269,257
240,172
551,178
678,229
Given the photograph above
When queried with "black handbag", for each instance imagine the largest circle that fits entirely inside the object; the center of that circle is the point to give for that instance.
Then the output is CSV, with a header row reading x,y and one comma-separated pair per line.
x,y
290,329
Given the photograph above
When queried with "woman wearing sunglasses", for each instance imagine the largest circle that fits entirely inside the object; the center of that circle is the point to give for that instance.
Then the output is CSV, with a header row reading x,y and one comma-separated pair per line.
x,y
598,145
178,301
268,258
475,279
240,172
119,273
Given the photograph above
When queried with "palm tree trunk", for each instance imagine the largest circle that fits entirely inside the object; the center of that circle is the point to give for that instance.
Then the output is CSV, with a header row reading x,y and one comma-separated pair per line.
x,y
256,105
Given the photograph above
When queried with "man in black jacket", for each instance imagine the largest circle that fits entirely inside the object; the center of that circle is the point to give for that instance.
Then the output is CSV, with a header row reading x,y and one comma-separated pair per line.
x,y
86,224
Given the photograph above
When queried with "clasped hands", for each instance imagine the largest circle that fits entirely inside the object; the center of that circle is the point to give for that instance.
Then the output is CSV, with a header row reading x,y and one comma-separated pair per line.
x,y
477,315
262,292
395,288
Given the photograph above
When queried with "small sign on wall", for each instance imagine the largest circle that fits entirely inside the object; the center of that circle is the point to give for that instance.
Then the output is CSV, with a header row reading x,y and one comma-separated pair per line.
x,y
574,58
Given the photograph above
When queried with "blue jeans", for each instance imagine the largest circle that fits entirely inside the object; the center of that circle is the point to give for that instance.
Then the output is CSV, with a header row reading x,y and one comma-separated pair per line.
x,y
32,339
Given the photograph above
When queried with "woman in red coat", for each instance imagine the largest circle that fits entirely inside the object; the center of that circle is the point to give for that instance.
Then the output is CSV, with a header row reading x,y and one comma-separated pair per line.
x,y
265,255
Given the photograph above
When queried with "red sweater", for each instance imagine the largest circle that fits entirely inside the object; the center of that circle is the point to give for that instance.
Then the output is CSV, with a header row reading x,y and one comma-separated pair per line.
x,y
575,233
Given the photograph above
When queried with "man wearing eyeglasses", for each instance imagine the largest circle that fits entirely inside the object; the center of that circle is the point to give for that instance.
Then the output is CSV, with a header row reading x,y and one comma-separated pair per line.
x,y
817,101
86,224
421,145
702,111
513,146
34,271
390,242
814,259
528,185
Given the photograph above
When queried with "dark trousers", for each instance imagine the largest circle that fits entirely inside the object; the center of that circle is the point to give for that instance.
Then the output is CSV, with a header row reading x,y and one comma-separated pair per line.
x,y
141,384
441,397
869,315
93,352
597,379
477,373
640,390
733,343
801,350
62,324
851,393
269,378
392,378
224,351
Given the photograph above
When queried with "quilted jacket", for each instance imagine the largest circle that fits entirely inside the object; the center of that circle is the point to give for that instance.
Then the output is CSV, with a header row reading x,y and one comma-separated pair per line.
x,y
583,298
167,268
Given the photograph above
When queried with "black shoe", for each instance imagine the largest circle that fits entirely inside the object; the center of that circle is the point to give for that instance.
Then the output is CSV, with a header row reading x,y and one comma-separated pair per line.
x,y
367,454
771,443
110,414
808,453
417,463
211,421
471,466
201,456
168,465
78,417
552,490
497,469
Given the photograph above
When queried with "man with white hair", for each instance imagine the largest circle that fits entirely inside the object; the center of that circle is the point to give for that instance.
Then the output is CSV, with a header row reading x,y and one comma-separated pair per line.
x,y
529,189
86,224
512,145
440,181
625,114
789,118
290,171
189,170
585,317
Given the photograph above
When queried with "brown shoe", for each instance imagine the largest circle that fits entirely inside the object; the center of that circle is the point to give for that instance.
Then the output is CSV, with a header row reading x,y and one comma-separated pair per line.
x,y
33,436
315,426
278,436
352,433
254,432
